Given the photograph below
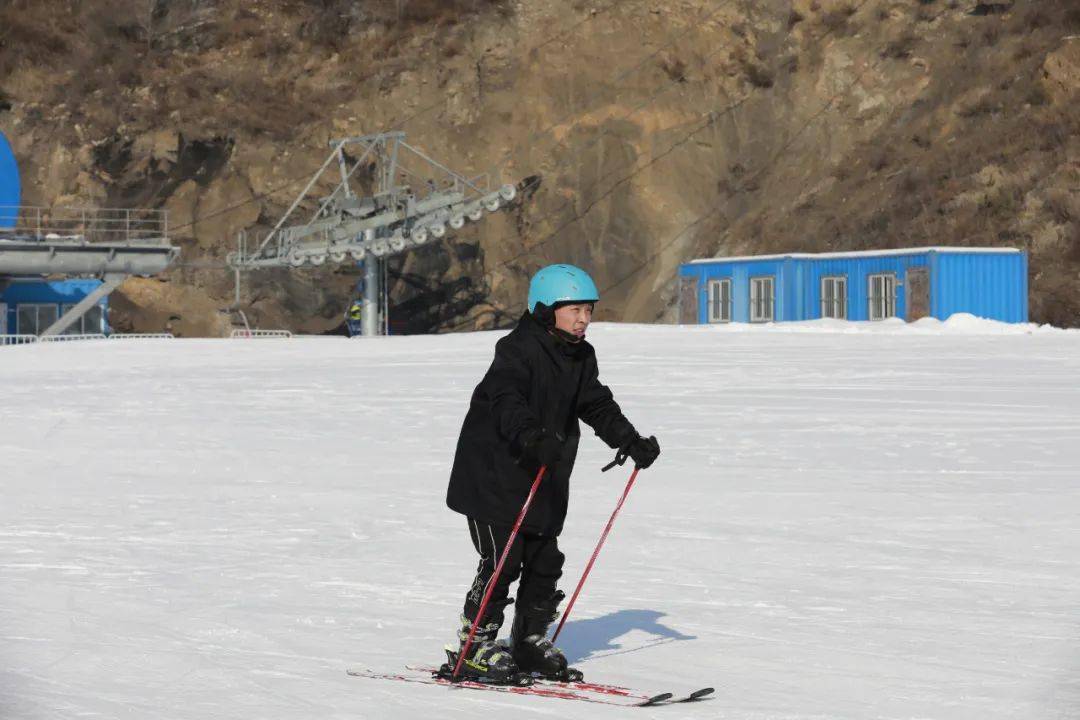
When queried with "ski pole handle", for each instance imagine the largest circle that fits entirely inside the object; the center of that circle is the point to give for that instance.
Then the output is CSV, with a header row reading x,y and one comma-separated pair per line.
x,y
588,568
498,570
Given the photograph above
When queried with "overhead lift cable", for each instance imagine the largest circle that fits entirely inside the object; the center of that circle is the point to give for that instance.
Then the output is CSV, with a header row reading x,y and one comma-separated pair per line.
x,y
710,119
306,176
769,164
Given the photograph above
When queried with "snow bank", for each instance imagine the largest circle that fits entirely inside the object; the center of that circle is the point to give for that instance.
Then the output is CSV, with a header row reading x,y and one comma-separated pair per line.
x,y
957,324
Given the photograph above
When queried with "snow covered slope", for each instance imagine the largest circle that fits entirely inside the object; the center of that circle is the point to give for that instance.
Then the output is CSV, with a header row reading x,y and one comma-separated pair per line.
x,y
846,522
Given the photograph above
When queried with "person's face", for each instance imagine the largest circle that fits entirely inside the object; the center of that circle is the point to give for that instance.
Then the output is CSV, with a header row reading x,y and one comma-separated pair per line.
x,y
574,319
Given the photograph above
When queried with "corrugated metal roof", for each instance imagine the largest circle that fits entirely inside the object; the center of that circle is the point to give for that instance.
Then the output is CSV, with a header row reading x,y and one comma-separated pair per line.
x,y
856,254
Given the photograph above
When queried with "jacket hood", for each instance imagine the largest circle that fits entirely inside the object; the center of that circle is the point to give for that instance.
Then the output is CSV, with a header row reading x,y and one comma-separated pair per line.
x,y
552,340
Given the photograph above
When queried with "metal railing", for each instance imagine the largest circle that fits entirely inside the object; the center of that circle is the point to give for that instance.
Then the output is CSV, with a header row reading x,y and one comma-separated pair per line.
x,y
142,336
258,334
15,339
24,339
71,338
95,225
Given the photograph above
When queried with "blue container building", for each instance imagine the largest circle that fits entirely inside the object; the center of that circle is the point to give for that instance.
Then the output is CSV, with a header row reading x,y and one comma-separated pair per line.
x,y
872,285
28,307
10,186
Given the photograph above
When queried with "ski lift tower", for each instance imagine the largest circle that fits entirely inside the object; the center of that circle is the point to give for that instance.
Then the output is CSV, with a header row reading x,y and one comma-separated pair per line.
x,y
387,198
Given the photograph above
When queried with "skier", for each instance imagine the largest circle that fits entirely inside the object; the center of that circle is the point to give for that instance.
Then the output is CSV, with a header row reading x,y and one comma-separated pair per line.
x,y
354,318
523,415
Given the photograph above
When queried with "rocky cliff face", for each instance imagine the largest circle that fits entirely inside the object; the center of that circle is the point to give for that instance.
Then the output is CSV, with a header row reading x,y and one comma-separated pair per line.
x,y
643,133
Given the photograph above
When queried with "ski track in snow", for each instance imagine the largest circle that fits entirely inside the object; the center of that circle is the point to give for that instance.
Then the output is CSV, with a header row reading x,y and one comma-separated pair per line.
x,y
844,523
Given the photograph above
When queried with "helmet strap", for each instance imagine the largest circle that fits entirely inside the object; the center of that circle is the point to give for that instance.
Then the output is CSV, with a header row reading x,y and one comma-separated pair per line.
x,y
544,314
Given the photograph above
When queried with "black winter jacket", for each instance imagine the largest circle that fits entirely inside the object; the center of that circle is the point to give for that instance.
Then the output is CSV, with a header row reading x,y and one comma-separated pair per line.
x,y
536,380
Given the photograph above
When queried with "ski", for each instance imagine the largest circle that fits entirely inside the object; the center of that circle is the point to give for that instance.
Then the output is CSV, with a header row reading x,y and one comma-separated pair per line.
x,y
600,688
541,689
694,696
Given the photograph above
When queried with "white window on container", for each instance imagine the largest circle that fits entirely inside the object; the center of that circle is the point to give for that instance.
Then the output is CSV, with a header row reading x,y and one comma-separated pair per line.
x,y
719,301
882,296
761,299
74,328
89,324
834,297
94,320
34,319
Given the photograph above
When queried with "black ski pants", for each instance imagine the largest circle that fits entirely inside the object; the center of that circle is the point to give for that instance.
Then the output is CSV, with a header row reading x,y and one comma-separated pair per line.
x,y
536,559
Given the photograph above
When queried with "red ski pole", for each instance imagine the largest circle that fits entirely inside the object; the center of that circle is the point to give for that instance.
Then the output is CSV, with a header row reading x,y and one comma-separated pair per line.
x,y
498,570
610,522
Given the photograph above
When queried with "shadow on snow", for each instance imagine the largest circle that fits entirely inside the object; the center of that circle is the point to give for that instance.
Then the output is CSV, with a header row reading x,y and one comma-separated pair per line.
x,y
587,639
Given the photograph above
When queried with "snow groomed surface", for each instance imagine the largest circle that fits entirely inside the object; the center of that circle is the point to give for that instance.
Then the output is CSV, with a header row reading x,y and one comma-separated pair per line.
x,y
872,521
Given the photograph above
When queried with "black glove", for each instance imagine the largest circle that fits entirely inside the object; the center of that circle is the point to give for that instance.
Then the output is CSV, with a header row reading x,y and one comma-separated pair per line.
x,y
644,451
541,447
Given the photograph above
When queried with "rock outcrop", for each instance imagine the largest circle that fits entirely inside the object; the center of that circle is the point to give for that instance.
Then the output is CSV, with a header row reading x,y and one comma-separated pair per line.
x,y
645,133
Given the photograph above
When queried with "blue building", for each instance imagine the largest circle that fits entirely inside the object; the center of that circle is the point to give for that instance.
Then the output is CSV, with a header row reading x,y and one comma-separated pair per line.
x,y
10,187
27,307
30,303
874,285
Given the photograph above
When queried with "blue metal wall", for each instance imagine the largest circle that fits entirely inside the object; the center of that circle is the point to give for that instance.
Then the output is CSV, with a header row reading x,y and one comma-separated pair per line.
x,y
10,188
785,286
990,285
56,292
857,270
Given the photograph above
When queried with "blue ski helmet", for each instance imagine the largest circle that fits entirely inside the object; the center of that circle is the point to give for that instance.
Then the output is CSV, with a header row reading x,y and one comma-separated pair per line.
x,y
561,284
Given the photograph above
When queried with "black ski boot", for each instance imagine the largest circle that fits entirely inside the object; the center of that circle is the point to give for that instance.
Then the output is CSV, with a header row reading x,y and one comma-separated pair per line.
x,y
488,661
533,652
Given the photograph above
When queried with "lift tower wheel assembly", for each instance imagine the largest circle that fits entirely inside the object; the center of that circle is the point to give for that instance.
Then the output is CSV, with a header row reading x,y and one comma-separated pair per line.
x,y
387,198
